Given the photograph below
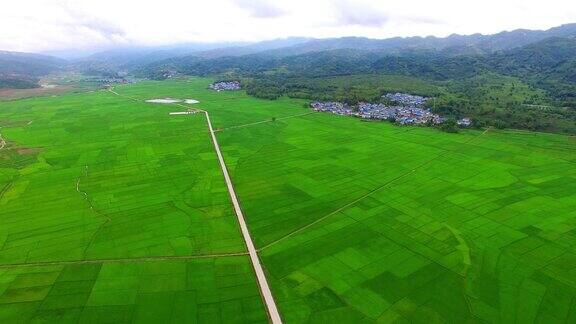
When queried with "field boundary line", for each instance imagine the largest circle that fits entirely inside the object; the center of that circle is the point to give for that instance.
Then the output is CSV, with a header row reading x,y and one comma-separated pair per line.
x,y
125,96
368,194
121,260
265,290
5,189
87,198
338,210
464,249
264,121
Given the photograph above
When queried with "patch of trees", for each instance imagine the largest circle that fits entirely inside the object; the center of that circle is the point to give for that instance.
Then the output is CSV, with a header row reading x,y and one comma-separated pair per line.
x,y
18,82
499,89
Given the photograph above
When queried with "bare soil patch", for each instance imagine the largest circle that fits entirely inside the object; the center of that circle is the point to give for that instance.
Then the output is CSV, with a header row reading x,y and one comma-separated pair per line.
x,y
12,94
28,150
14,123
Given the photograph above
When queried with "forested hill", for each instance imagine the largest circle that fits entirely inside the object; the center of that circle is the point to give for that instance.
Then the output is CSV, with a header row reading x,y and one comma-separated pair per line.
x,y
548,64
336,56
526,87
28,64
21,70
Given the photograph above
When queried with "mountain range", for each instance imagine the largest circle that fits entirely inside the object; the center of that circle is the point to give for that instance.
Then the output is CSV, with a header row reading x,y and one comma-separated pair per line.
x,y
545,59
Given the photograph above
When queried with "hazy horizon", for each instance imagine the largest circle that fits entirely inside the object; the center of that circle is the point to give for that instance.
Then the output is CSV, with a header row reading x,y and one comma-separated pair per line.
x,y
87,25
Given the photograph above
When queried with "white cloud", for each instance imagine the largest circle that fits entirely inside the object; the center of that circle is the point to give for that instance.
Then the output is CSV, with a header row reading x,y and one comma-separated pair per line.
x,y
260,8
349,12
40,25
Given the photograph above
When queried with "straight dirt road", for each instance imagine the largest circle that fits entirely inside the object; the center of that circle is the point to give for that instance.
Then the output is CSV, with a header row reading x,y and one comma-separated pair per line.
x,y
262,281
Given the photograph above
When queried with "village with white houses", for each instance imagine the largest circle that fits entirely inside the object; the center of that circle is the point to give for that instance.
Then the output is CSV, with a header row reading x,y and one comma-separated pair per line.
x,y
406,109
401,108
226,86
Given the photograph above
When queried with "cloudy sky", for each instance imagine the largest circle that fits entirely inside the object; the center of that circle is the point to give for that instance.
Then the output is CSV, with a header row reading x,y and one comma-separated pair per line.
x,y
50,25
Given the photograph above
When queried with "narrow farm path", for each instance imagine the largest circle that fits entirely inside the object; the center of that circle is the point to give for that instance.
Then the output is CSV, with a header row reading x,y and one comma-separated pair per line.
x,y
265,290
124,96
107,219
2,142
5,189
368,194
121,260
264,121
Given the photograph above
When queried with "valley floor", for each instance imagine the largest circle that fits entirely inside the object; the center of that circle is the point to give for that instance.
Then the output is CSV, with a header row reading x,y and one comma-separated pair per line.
x,y
119,212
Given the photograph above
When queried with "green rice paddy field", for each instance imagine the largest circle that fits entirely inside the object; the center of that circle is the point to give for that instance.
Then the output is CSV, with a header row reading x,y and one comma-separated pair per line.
x,y
113,211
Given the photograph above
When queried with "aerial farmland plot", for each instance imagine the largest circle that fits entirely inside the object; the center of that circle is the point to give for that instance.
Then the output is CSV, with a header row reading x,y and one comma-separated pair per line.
x,y
112,210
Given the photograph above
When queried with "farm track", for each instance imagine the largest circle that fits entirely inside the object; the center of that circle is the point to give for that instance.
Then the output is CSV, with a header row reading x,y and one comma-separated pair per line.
x,y
377,189
5,189
263,122
103,224
265,290
121,260
2,142
466,260
124,96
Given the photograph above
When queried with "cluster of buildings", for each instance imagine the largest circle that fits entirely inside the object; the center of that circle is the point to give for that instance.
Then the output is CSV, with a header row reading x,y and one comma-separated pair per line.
x,y
401,115
408,110
337,108
464,122
407,100
110,81
226,86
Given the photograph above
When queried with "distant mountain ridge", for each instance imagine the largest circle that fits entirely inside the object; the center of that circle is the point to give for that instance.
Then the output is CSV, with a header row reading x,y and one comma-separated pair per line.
x,y
521,79
17,63
308,56
356,54
128,58
454,44
22,70
547,64
276,44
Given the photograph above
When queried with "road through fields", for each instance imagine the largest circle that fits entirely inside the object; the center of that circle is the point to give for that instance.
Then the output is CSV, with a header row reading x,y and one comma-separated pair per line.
x,y
262,281
271,307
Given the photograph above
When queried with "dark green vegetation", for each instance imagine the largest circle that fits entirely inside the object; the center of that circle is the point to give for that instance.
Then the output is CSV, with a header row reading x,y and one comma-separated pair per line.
x,y
355,221
18,82
521,79
220,290
491,99
352,88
